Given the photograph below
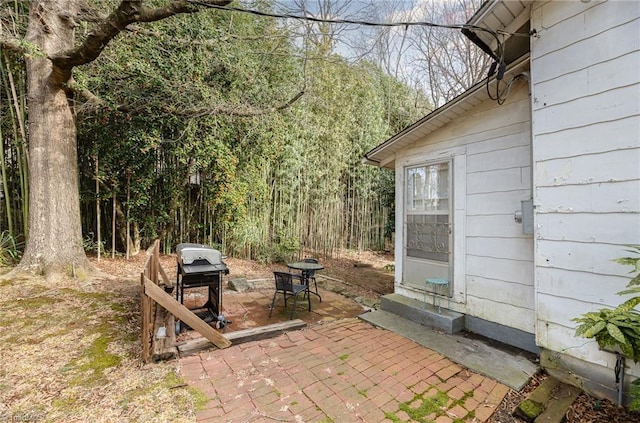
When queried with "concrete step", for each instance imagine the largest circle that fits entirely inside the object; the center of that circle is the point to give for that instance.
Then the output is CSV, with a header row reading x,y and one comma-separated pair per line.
x,y
548,403
423,313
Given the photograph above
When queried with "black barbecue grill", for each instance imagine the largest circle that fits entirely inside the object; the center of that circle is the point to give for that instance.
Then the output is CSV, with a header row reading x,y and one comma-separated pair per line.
x,y
202,266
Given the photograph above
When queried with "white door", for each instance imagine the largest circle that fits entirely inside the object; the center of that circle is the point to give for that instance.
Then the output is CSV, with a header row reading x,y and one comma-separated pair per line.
x,y
427,224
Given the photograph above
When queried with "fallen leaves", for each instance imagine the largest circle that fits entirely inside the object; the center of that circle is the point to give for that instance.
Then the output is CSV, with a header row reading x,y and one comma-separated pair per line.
x,y
70,352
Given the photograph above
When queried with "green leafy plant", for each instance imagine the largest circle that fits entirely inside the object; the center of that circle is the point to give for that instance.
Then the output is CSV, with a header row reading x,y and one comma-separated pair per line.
x,y
619,327
10,249
634,393
281,250
91,245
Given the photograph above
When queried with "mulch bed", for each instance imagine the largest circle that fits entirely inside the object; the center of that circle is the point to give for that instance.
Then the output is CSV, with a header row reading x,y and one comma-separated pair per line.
x,y
585,409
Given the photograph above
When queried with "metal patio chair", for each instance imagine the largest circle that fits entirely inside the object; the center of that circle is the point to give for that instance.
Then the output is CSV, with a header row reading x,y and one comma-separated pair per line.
x,y
285,286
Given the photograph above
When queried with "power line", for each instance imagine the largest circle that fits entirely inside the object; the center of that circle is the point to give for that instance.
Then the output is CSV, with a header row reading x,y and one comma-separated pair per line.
x,y
357,22
495,34
498,65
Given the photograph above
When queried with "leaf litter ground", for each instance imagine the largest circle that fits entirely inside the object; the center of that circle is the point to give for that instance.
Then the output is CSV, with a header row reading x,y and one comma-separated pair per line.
x,y
70,352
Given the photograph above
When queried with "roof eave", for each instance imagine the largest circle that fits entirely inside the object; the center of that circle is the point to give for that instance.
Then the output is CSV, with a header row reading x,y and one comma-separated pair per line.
x,y
482,13
377,157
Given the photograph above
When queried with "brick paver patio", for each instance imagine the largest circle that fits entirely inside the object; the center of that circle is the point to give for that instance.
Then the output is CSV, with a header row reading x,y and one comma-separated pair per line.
x,y
342,371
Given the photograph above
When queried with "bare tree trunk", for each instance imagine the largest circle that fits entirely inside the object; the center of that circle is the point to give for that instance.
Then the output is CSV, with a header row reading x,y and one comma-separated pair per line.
x,y
132,243
54,243
128,226
98,228
113,223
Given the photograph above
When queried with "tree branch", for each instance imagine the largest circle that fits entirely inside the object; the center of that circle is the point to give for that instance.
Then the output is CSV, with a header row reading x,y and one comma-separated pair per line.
x,y
128,12
90,98
135,29
88,14
14,44
223,109
94,101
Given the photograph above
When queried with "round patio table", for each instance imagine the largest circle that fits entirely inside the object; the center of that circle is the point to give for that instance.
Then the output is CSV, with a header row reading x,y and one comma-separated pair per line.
x,y
305,268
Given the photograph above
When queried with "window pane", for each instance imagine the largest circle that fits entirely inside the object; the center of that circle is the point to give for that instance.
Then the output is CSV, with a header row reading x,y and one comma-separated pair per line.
x,y
428,237
428,188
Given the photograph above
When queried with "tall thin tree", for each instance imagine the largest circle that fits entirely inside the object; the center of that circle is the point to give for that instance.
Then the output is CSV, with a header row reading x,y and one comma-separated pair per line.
x,y
51,51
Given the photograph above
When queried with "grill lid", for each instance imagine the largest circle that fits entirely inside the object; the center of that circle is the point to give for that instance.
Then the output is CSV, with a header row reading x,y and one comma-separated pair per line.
x,y
198,254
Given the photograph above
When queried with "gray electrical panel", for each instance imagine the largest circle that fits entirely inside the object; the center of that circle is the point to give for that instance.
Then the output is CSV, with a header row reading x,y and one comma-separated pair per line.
x,y
527,216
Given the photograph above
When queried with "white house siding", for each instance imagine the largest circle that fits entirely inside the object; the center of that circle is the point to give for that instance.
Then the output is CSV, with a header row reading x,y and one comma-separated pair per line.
x,y
491,150
585,68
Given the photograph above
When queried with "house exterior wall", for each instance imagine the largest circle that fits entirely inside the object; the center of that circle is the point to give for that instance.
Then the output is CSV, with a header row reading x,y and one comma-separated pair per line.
x,y
490,148
586,152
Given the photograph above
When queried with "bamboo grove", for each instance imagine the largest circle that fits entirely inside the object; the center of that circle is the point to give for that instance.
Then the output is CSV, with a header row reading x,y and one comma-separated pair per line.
x,y
183,138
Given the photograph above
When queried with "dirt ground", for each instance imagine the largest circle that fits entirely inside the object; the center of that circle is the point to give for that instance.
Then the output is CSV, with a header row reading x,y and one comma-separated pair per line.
x,y
366,274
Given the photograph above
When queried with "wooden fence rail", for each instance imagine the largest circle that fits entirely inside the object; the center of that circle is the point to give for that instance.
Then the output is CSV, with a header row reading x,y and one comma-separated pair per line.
x,y
159,310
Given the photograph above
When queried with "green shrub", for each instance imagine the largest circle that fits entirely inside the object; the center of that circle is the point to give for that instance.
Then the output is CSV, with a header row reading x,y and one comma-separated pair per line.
x,y
280,251
619,327
90,245
10,249
634,393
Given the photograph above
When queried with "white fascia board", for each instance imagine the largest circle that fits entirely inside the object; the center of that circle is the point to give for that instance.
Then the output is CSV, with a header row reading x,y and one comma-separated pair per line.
x,y
385,151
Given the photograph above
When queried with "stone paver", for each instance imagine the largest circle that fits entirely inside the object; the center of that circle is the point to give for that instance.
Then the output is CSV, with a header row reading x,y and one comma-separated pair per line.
x,y
341,371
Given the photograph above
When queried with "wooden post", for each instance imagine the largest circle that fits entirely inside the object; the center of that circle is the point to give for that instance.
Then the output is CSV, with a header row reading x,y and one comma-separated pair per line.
x,y
153,269
147,310
146,324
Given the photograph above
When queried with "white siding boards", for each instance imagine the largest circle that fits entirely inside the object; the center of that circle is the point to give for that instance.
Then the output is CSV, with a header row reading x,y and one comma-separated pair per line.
x,y
585,68
499,275
490,146
569,139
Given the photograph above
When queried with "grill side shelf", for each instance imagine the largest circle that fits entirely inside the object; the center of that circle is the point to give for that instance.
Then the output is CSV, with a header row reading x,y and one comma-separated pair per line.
x,y
194,269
